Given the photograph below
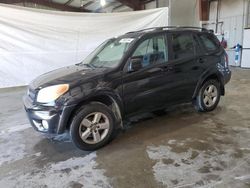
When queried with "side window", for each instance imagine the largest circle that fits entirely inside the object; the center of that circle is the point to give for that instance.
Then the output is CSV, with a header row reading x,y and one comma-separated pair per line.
x,y
141,49
183,46
208,42
152,51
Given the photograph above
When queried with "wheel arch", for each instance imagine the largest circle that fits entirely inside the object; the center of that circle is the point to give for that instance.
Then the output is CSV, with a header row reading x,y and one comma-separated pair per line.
x,y
111,100
212,76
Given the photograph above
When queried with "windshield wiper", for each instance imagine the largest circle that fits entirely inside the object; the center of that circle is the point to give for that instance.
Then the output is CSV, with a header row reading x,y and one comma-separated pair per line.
x,y
86,64
100,64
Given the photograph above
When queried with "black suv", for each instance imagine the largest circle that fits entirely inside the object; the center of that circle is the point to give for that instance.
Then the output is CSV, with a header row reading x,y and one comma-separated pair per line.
x,y
137,72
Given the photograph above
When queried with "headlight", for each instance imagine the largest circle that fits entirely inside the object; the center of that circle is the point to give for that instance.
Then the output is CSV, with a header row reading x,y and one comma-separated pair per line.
x,y
51,93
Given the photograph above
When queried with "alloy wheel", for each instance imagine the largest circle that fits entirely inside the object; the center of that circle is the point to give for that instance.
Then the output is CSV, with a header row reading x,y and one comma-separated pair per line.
x,y
94,128
210,95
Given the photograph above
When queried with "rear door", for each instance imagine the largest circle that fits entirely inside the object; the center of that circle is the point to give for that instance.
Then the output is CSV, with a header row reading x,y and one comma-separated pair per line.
x,y
185,65
211,53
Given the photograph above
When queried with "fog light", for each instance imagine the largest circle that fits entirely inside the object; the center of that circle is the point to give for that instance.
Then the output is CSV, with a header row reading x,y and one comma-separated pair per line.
x,y
45,124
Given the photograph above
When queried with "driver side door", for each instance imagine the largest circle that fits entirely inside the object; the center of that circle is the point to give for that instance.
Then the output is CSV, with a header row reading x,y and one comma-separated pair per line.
x,y
143,89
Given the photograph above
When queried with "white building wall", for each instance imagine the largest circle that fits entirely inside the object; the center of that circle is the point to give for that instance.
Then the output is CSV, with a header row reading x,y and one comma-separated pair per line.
x,y
184,12
181,12
232,18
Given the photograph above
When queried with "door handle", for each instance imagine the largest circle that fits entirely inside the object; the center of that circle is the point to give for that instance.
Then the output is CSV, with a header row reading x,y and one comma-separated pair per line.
x,y
201,60
169,68
154,70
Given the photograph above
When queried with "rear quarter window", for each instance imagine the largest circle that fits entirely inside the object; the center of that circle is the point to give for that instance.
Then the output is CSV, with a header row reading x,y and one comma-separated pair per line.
x,y
209,42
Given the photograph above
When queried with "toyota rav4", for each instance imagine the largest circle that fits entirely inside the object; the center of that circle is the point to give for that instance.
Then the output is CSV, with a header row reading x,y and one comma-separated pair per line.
x,y
137,72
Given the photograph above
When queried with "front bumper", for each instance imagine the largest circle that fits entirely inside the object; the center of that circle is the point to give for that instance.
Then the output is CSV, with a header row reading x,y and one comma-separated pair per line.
x,y
47,119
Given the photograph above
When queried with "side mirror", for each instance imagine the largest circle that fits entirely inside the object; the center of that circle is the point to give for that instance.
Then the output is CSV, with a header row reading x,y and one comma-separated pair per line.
x,y
135,64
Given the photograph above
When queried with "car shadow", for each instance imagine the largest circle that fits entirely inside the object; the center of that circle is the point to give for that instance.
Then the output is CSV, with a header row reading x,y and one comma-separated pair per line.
x,y
150,128
54,149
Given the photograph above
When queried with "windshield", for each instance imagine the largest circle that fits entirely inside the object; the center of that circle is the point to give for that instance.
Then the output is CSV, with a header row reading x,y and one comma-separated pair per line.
x,y
109,53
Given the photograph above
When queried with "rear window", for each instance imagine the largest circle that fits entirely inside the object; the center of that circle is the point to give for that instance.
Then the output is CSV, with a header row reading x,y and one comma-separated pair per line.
x,y
209,42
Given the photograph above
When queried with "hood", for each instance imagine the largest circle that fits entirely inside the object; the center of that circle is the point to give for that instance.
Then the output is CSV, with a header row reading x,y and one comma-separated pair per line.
x,y
66,75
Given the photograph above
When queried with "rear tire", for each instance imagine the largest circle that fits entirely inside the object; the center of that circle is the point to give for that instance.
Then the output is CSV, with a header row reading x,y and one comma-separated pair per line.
x,y
93,126
208,96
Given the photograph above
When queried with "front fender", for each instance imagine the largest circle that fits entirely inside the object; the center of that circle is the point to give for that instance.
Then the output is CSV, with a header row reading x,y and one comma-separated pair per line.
x,y
112,94
95,95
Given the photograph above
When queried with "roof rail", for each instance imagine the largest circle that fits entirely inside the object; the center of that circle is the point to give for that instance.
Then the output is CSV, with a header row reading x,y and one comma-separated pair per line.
x,y
172,27
147,29
185,27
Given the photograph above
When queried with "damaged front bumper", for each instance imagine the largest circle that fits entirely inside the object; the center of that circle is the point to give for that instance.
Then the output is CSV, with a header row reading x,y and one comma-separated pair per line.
x,y
47,119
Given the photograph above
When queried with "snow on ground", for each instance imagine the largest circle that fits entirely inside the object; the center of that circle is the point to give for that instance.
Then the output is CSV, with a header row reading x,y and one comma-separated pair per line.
x,y
195,168
12,147
80,171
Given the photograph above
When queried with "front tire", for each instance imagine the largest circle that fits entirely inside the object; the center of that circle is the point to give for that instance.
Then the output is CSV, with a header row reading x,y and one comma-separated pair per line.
x,y
93,126
208,96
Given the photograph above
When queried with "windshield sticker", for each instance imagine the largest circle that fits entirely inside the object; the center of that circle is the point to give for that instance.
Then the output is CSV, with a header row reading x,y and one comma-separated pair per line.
x,y
126,40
